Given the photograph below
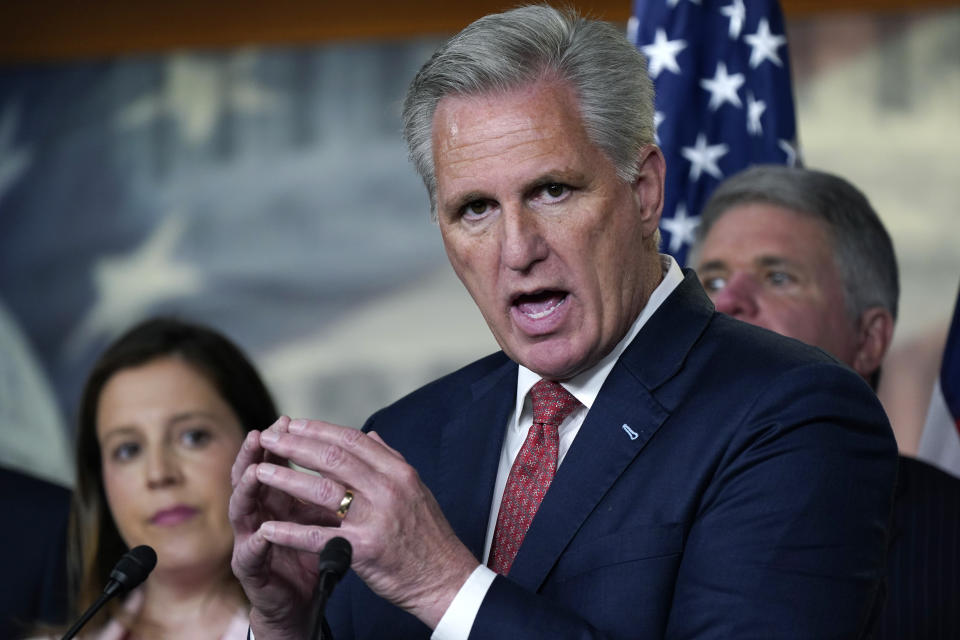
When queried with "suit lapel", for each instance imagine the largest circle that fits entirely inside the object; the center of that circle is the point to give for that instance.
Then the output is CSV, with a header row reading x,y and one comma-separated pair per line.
x,y
470,454
624,417
617,428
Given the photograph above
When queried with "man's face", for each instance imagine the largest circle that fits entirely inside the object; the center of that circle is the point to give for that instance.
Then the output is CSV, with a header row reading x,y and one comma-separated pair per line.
x,y
774,268
550,243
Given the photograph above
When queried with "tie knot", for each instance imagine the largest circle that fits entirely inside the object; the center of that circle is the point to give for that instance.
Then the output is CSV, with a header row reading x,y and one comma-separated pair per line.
x,y
551,403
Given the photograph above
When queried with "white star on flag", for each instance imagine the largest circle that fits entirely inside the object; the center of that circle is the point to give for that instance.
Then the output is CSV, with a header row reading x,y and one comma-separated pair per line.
x,y
723,87
658,119
719,113
662,53
633,28
791,152
704,156
764,45
737,13
680,227
755,109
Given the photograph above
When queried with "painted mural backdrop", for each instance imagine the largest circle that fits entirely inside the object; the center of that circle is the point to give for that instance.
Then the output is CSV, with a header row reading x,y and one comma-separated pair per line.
x,y
265,192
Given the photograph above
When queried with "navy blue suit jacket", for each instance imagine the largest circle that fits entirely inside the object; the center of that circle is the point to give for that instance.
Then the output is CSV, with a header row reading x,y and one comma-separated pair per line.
x,y
33,581
753,502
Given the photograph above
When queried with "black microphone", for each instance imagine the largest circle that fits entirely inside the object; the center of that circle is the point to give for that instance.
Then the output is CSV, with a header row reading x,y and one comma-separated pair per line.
x,y
332,562
132,569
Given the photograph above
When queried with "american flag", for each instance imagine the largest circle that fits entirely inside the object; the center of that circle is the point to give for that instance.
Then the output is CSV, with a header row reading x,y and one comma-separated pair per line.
x,y
724,99
940,440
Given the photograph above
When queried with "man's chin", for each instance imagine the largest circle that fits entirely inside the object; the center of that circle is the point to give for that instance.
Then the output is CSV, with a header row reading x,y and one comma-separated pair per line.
x,y
551,359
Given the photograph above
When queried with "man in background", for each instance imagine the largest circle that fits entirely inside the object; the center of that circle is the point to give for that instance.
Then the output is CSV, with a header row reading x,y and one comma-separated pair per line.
x,y
33,587
802,253
631,464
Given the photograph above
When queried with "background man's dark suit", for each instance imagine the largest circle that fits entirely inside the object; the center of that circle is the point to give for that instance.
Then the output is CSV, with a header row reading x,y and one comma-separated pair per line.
x,y
924,562
758,485
33,539
819,235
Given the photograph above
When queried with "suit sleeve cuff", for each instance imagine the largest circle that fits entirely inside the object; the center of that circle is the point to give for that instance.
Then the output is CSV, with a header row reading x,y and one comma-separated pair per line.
x,y
458,619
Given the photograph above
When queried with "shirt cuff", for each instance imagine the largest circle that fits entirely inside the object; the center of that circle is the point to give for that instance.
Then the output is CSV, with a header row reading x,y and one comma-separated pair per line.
x,y
458,619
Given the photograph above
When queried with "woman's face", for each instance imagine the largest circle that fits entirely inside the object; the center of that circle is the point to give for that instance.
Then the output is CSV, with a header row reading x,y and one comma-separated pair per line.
x,y
167,441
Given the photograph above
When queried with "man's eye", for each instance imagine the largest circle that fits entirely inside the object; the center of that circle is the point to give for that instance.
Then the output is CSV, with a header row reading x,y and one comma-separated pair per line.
x,y
555,190
714,284
125,451
779,278
476,208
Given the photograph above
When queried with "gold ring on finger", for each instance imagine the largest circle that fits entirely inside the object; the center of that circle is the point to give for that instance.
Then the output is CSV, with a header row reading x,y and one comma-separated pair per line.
x,y
345,504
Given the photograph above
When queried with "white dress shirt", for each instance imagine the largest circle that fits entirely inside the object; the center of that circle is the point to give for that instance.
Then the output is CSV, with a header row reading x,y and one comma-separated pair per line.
x,y
459,616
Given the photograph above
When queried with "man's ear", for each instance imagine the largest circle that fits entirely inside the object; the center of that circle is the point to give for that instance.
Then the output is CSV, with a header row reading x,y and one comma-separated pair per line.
x,y
648,187
875,333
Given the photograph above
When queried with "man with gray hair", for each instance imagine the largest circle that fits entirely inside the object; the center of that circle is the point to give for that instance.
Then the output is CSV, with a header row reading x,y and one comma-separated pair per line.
x,y
803,253
631,464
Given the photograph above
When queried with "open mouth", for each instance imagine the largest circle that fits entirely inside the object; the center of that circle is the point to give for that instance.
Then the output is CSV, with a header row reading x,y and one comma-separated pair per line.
x,y
540,304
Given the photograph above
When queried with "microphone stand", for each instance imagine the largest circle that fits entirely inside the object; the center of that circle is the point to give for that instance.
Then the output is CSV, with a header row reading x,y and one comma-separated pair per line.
x,y
129,572
89,613
332,562
319,629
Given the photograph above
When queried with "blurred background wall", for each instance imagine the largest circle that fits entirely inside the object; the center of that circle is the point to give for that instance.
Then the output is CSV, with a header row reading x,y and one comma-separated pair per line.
x,y
242,166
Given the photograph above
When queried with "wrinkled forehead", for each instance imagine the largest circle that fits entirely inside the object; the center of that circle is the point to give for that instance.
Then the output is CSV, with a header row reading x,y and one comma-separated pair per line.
x,y
539,118
543,101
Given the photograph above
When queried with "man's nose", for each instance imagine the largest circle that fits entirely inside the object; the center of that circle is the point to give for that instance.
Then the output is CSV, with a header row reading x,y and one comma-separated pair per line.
x,y
738,298
163,467
523,241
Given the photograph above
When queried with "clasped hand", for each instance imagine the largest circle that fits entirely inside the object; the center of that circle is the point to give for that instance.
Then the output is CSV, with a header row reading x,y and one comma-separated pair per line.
x,y
403,547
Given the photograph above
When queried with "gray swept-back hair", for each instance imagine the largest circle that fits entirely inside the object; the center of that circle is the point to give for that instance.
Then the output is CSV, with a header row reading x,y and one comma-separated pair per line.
x,y
506,51
861,245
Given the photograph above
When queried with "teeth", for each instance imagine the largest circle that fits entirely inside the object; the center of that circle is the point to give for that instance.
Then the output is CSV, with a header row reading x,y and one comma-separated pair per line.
x,y
542,314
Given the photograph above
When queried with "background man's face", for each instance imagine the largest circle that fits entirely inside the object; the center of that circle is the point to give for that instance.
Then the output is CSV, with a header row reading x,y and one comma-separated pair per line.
x,y
539,228
774,268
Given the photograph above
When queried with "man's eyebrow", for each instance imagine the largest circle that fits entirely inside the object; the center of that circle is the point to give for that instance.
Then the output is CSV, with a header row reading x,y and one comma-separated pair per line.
x,y
774,261
459,201
712,265
761,261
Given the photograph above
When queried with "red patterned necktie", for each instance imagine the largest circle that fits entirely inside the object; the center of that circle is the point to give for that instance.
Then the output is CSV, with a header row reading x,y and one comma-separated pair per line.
x,y
531,473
